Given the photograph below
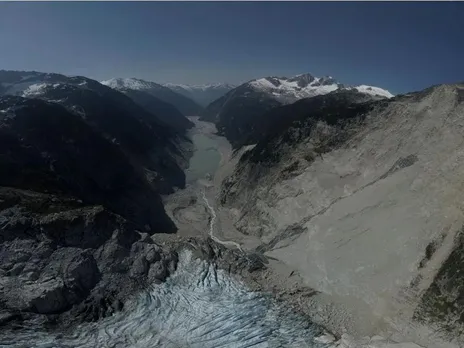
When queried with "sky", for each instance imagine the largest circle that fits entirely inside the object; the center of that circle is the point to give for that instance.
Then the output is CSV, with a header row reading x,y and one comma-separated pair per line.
x,y
400,46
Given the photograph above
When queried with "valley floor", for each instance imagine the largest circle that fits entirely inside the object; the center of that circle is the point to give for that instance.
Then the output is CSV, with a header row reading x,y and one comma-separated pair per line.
x,y
193,217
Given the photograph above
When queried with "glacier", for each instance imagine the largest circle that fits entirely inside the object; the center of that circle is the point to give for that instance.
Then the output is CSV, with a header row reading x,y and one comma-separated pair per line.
x,y
199,306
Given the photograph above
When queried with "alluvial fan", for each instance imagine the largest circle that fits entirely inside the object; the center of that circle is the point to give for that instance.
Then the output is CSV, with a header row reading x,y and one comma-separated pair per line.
x,y
199,306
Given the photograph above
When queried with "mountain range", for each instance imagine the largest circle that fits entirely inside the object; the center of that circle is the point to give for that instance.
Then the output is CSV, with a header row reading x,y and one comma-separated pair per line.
x,y
242,109
344,188
288,90
149,146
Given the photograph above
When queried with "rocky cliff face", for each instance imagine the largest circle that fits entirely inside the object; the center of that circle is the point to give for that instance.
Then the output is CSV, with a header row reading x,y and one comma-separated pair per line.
x,y
63,262
362,198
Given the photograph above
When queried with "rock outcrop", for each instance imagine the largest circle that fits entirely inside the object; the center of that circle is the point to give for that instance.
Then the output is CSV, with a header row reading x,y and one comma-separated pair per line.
x,y
62,262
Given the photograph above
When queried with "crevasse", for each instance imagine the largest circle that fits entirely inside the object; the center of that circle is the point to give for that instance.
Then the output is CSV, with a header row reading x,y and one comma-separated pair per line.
x,y
199,306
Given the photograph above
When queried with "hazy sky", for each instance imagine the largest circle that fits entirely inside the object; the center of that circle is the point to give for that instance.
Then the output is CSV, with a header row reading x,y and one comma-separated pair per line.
x,y
398,46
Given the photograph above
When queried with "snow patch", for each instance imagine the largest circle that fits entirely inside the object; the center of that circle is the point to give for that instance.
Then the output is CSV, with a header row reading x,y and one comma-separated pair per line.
x,y
262,84
27,77
376,91
19,88
9,113
35,89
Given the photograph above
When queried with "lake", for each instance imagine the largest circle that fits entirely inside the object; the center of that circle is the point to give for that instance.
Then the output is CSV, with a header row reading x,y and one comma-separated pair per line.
x,y
205,159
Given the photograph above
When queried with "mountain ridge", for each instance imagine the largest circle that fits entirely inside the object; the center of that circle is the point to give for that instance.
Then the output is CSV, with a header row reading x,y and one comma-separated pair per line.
x,y
240,111
306,85
184,104
203,93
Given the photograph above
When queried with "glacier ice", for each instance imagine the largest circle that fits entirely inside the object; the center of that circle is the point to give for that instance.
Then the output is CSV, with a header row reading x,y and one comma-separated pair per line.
x,y
199,306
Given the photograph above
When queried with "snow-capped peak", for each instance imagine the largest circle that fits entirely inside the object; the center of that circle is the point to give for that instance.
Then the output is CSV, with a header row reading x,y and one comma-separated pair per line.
x,y
129,83
306,85
292,89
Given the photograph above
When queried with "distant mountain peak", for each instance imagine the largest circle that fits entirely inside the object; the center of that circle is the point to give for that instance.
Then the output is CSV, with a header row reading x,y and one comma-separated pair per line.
x,y
302,79
290,89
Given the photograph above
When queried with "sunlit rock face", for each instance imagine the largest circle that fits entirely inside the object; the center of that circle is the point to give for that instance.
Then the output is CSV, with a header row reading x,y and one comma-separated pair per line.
x,y
364,200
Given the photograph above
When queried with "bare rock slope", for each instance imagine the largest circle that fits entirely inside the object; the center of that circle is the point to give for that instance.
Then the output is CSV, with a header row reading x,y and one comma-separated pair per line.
x,y
364,200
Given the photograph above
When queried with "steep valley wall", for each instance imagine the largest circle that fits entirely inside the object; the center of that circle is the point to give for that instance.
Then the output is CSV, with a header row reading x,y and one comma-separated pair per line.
x,y
373,223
